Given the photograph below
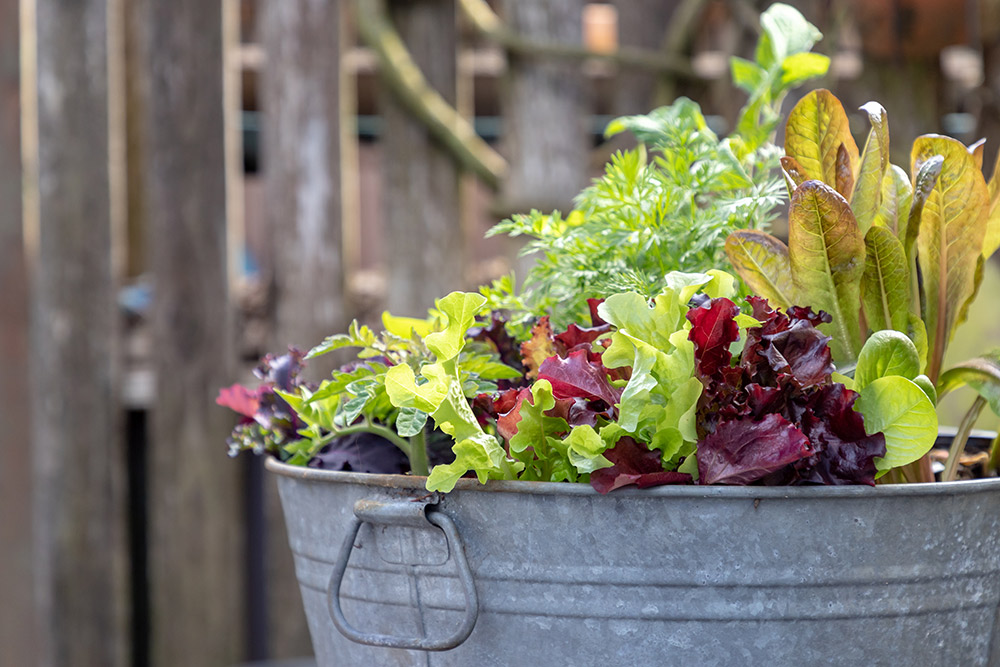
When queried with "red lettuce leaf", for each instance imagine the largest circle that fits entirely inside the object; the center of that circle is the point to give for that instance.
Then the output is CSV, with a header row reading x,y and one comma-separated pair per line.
x,y
713,330
634,464
240,400
741,451
576,376
595,319
575,338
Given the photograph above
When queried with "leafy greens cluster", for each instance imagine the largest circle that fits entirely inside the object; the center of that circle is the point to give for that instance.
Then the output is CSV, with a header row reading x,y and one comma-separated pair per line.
x,y
669,204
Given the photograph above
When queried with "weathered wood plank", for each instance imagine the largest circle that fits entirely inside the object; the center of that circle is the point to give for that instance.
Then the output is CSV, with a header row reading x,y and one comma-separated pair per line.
x,y
76,443
302,181
18,632
643,24
196,570
423,235
545,109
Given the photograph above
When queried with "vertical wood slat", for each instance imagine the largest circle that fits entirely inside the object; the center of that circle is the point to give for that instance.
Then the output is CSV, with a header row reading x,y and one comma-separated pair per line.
x,y
18,633
423,233
77,444
195,548
643,24
545,110
302,182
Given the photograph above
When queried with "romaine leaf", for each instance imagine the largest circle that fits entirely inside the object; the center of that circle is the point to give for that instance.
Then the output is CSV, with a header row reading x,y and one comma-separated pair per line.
x,y
897,195
950,239
992,240
827,257
866,200
903,413
404,392
763,263
885,288
817,127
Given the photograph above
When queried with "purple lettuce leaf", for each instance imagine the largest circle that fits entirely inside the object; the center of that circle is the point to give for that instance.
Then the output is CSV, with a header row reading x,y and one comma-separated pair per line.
x,y
634,464
361,452
741,451
787,345
845,452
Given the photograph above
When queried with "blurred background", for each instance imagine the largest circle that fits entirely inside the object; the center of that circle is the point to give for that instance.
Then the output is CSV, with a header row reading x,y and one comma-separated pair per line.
x,y
186,185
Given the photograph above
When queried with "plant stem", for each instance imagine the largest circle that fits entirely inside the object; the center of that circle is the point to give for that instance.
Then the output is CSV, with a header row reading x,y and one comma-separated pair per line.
x,y
961,437
994,455
418,454
375,429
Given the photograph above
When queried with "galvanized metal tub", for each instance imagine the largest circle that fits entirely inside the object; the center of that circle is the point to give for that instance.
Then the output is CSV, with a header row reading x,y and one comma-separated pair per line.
x,y
560,575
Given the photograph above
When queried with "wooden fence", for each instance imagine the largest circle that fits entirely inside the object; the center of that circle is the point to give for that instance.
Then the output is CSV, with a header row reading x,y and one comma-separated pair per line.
x,y
127,536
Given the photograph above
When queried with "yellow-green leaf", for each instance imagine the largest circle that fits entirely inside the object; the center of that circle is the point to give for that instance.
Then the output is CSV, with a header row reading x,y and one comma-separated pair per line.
x,y
901,411
827,258
762,261
866,200
981,373
924,180
816,129
885,285
992,240
894,209
405,327
950,239
795,175
461,309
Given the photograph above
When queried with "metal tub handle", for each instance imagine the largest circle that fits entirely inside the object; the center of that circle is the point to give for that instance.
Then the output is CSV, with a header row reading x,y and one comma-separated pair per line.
x,y
412,514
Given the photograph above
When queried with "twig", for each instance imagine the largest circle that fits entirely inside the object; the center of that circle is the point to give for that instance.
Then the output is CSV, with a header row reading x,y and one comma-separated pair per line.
x,y
404,78
488,23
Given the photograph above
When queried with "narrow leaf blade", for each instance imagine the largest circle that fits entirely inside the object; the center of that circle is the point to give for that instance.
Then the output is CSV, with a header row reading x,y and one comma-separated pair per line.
x,y
866,200
885,284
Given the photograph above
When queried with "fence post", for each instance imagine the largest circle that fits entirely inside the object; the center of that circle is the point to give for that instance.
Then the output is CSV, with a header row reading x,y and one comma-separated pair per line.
x,y
425,253
195,496
18,633
302,183
545,110
77,453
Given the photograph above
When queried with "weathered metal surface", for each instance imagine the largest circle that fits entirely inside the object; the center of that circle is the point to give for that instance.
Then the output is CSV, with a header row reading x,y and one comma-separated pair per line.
x,y
895,575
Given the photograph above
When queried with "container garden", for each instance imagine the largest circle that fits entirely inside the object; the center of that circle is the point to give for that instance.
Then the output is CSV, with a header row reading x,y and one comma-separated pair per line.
x,y
785,511
691,575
